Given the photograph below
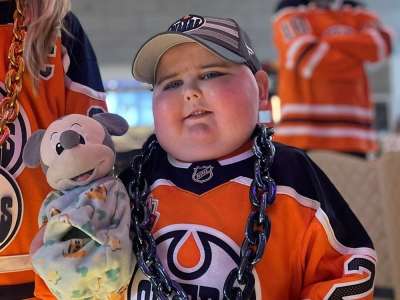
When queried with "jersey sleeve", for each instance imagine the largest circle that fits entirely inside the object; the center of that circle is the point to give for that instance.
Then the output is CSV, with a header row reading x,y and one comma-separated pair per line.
x,y
371,41
84,88
337,257
293,37
331,273
302,50
337,49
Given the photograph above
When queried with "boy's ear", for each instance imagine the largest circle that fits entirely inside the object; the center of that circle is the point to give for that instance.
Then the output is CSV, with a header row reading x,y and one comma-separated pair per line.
x,y
263,85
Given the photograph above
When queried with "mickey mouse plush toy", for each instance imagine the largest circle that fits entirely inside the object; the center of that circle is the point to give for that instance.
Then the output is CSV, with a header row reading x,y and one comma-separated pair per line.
x,y
83,249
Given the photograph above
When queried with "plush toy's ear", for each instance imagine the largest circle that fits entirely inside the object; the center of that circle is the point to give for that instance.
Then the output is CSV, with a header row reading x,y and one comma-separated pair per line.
x,y
115,124
31,153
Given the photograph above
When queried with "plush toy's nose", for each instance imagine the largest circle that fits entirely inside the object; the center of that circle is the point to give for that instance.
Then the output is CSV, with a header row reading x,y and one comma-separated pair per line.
x,y
69,139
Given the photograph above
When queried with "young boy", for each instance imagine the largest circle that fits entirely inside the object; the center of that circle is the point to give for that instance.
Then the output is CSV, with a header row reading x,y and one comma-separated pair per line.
x,y
302,242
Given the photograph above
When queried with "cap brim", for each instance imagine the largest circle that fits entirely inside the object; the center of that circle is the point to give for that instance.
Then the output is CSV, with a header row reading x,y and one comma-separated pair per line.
x,y
147,58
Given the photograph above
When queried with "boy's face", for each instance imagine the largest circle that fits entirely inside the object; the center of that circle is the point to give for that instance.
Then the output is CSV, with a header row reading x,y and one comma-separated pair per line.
x,y
204,106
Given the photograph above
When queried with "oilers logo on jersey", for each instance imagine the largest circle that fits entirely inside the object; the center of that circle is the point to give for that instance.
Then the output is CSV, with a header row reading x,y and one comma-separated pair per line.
x,y
11,152
11,208
193,255
11,204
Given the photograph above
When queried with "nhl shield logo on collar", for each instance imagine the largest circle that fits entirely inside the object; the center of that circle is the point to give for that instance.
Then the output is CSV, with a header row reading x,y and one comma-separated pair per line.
x,y
202,174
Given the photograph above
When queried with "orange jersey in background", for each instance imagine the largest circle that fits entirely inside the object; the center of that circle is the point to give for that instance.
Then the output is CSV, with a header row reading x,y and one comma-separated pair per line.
x,y
323,86
70,83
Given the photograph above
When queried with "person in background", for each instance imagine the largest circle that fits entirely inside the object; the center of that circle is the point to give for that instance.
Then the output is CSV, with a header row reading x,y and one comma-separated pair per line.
x,y
323,46
57,75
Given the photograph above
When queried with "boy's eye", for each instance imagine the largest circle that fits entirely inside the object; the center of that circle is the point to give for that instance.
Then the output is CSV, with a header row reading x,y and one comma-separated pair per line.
x,y
172,85
211,74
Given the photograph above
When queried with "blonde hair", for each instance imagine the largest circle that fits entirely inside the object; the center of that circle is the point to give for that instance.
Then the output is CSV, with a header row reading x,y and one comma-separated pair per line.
x,y
44,20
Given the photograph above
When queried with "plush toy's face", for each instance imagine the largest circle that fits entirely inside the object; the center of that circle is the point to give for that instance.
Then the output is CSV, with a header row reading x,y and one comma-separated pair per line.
x,y
72,148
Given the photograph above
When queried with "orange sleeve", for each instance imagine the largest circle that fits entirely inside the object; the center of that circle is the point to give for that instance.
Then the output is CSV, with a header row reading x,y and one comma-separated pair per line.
x,y
369,20
370,44
293,36
332,270
370,41
81,99
301,49
84,89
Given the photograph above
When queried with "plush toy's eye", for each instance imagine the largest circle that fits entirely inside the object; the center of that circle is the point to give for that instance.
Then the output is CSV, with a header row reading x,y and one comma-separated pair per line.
x,y
81,140
59,148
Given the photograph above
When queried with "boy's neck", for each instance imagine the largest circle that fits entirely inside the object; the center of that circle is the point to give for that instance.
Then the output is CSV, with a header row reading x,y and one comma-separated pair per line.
x,y
246,146
243,148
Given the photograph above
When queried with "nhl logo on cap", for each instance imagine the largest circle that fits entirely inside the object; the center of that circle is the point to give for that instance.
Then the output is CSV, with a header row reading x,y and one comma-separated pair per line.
x,y
187,23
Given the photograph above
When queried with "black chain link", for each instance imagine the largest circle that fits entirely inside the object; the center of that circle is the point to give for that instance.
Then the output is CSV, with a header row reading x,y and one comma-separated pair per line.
x,y
144,245
240,282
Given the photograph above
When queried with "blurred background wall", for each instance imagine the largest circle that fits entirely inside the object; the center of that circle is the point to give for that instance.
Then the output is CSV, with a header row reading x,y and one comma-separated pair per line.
x,y
117,29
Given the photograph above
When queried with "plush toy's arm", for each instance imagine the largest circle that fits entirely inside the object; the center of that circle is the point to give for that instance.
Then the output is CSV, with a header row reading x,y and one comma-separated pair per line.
x,y
120,217
44,213
43,217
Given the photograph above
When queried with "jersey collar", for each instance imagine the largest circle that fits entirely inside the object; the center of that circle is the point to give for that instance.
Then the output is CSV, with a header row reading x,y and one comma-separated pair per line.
x,y
240,154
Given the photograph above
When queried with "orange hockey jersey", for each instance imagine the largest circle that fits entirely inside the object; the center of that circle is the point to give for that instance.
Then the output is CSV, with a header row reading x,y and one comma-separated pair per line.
x,y
323,85
70,83
317,248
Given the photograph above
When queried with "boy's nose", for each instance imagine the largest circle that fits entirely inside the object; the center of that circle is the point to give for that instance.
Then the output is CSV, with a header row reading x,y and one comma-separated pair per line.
x,y
192,94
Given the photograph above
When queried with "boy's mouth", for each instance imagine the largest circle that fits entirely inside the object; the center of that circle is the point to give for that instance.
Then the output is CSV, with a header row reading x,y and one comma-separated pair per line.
x,y
197,114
